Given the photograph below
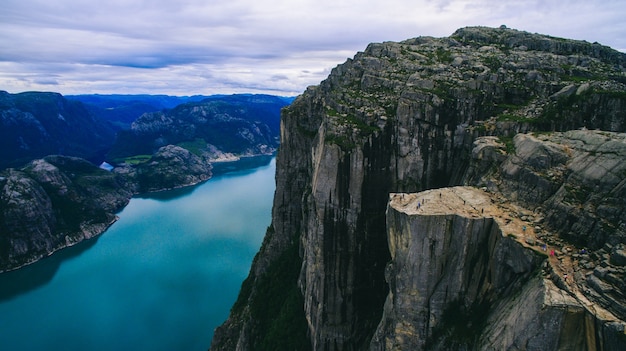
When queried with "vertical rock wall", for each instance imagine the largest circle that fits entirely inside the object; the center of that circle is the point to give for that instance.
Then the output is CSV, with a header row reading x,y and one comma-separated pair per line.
x,y
449,261
463,277
401,117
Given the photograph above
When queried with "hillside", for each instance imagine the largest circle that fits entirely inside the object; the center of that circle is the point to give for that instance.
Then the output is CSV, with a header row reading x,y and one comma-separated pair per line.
x,y
509,114
35,124
123,110
54,201
217,128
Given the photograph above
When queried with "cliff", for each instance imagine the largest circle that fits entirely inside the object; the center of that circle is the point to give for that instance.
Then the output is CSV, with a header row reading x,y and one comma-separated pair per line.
x,y
52,203
404,117
468,272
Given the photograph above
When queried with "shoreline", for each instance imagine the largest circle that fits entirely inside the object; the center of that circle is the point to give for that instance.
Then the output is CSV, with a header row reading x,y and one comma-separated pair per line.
x,y
97,232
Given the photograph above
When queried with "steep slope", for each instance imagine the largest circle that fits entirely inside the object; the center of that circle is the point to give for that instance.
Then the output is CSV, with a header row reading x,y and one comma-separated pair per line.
x,y
217,127
469,272
52,203
402,117
123,110
34,125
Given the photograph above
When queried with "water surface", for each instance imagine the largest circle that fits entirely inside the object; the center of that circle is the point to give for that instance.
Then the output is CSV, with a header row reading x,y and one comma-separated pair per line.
x,y
161,278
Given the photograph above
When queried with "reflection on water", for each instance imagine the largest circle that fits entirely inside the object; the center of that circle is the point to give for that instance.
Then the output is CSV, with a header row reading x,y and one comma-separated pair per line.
x,y
245,165
20,281
161,278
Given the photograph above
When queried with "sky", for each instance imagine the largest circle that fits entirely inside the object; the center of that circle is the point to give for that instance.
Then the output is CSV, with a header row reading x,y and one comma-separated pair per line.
x,y
279,47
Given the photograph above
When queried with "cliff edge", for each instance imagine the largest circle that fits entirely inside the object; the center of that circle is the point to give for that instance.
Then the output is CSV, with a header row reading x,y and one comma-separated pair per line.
x,y
468,273
477,108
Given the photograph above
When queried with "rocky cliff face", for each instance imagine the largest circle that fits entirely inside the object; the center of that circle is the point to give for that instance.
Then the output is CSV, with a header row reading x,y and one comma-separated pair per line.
x,y
450,263
401,118
468,272
53,203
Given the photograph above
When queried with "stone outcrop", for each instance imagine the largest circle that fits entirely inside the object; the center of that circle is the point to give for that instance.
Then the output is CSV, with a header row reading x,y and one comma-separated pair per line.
x,y
170,167
573,186
53,203
450,263
464,276
402,118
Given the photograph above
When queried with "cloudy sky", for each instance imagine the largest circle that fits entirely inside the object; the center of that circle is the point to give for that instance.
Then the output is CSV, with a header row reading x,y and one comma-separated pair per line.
x,y
187,47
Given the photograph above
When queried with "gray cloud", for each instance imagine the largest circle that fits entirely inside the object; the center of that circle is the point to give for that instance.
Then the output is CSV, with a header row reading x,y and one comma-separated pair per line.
x,y
221,46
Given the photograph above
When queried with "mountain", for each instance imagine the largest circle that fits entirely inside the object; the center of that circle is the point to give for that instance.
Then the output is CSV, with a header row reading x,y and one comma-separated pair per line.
x,y
217,128
457,193
36,124
52,203
56,201
122,110
169,167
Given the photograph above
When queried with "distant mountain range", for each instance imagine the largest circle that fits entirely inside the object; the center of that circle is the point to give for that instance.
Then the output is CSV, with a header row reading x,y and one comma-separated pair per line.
x,y
36,124
51,197
122,110
214,128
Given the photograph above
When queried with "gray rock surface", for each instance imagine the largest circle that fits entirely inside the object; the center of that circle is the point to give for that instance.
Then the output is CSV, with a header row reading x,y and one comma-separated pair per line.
x,y
463,276
53,203
402,117
170,167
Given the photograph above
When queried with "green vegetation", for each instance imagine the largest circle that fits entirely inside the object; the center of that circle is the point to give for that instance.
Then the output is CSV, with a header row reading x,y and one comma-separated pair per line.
x,y
612,94
493,62
565,107
277,305
443,55
306,132
508,117
134,160
346,142
577,194
508,144
194,146
340,140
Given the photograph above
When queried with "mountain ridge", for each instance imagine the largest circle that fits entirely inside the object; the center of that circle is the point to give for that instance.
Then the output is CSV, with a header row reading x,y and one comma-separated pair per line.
x,y
37,124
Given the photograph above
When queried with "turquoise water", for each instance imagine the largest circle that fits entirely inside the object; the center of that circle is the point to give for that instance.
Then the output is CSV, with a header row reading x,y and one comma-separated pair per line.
x,y
161,278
